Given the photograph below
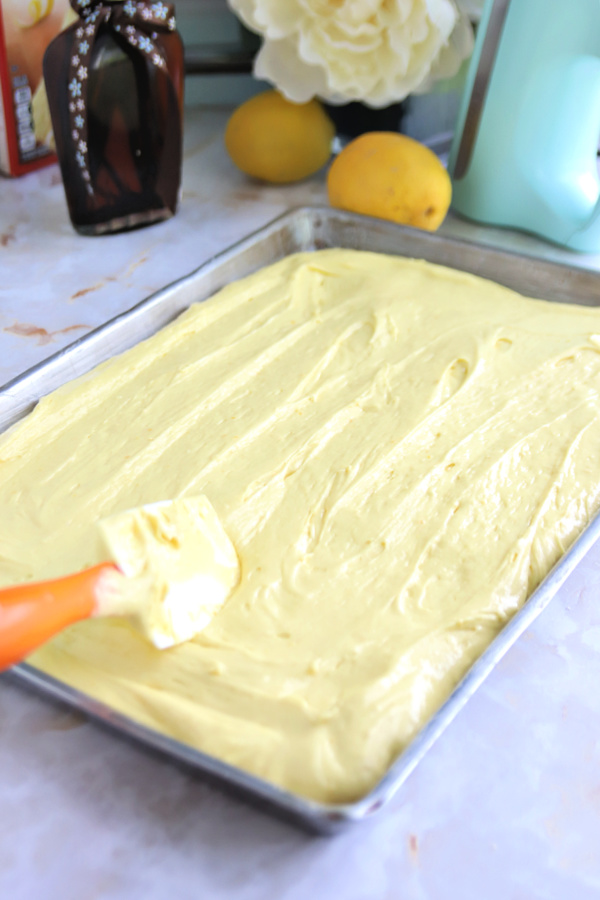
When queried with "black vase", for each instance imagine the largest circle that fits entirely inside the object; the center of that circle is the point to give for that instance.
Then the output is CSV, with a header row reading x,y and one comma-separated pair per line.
x,y
356,118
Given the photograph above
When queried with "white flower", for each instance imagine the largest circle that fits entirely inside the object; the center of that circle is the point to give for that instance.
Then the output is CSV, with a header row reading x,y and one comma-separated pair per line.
x,y
376,51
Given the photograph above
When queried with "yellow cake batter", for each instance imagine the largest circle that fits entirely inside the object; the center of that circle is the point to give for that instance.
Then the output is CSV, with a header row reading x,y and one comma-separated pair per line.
x,y
399,453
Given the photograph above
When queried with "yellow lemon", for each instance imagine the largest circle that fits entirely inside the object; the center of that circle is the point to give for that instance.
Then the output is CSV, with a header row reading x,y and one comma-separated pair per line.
x,y
390,176
271,138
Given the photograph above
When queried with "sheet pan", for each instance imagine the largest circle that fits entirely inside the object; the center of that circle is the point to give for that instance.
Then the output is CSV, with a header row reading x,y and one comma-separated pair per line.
x,y
308,228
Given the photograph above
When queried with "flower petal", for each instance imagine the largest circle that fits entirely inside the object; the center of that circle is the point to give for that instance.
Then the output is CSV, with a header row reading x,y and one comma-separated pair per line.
x,y
279,63
272,18
451,56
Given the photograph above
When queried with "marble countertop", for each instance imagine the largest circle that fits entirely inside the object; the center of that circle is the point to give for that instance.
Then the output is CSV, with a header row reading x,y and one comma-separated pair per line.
x,y
505,805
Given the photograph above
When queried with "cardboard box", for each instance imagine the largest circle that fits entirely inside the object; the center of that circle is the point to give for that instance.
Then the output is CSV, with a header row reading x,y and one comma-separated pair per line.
x,y
26,29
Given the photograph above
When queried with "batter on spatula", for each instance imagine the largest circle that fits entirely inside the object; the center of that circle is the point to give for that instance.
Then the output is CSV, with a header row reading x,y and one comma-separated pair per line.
x,y
171,569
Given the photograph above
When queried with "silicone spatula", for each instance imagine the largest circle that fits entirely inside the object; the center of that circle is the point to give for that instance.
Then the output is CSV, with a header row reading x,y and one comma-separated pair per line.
x,y
170,567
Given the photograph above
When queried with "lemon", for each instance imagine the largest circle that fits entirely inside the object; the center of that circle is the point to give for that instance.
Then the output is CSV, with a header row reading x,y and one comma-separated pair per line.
x,y
390,176
275,140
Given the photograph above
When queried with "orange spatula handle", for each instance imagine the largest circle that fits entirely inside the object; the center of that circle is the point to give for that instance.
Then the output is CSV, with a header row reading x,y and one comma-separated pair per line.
x,y
30,614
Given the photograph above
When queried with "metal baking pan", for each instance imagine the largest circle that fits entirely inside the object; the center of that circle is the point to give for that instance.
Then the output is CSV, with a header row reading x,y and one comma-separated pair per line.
x,y
304,229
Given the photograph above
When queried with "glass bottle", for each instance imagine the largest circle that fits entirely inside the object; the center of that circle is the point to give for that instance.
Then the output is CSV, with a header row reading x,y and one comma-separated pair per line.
x,y
117,115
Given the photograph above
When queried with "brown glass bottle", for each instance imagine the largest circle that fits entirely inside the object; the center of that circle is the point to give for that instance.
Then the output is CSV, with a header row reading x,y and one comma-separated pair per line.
x,y
134,131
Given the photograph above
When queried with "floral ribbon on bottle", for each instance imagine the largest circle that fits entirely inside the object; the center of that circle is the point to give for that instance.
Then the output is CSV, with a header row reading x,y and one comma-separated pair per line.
x,y
140,23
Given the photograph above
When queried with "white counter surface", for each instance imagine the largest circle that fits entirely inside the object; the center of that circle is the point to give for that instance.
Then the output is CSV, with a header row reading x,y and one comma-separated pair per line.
x,y
507,803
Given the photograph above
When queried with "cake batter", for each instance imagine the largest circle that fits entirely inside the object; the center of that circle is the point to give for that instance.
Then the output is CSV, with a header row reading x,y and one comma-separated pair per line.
x,y
399,453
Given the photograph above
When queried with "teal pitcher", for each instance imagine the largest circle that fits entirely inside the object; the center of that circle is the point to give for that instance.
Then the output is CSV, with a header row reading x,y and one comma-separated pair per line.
x,y
525,151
